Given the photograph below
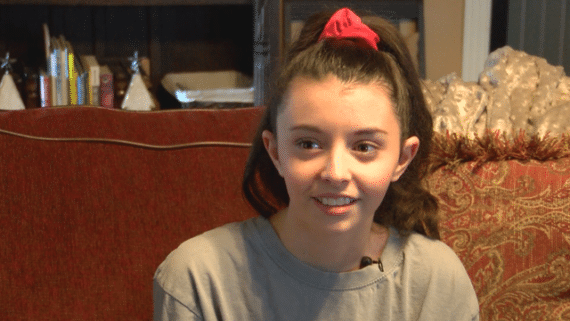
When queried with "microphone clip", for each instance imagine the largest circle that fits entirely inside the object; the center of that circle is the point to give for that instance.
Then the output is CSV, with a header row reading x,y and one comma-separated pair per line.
x,y
366,261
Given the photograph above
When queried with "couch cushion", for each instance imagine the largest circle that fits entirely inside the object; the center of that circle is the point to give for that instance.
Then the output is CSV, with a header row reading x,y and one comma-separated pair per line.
x,y
94,199
509,222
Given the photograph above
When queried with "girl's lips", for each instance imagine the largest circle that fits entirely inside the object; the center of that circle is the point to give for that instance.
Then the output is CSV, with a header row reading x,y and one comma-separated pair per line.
x,y
335,200
334,210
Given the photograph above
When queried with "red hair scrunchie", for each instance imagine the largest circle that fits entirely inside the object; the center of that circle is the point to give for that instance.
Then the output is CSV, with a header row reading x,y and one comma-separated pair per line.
x,y
345,24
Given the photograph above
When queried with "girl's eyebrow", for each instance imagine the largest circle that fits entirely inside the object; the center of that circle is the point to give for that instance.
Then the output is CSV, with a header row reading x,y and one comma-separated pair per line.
x,y
360,132
371,131
306,127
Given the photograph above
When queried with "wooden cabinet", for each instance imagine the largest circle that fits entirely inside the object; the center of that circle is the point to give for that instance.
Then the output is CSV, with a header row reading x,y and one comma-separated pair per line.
x,y
275,18
249,36
126,2
176,35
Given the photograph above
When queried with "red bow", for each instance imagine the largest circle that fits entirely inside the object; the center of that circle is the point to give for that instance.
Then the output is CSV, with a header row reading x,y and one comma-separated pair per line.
x,y
346,24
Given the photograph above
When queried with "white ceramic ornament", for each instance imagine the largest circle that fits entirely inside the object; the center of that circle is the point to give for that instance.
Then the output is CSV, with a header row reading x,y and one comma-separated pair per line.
x,y
9,96
137,96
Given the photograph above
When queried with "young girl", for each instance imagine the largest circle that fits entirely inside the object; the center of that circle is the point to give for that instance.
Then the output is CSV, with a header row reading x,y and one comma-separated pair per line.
x,y
346,230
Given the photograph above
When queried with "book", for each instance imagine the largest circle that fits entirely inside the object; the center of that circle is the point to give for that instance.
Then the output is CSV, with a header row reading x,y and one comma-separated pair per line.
x,y
53,73
82,92
85,86
60,72
64,71
45,89
71,74
92,68
106,87
47,46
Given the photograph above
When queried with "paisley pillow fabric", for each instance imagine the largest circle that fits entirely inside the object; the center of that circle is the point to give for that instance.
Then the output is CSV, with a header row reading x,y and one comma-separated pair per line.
x,y
508,219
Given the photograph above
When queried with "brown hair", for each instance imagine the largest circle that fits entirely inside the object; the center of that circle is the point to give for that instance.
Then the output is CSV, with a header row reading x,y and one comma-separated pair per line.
x,y
407,206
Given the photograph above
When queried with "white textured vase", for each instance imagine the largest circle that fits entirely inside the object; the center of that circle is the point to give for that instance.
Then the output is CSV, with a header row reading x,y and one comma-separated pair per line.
x,y
137,96
9,96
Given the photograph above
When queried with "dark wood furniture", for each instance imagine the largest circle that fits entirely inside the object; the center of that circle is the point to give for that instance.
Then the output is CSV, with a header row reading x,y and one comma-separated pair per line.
x,y
177,35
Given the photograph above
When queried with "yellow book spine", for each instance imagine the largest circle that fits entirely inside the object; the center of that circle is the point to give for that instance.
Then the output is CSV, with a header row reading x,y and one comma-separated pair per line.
x,y
90,88
72,80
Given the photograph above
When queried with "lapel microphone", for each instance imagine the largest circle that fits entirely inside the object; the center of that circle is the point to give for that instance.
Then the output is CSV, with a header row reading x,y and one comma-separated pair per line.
x,y
366,261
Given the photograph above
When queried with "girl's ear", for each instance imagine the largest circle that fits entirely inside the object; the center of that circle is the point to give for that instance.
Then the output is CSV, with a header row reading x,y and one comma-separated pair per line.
x,y
270,144
407,154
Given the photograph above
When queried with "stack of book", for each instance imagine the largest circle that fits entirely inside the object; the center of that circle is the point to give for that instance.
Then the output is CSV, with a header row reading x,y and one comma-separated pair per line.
x,y
70,79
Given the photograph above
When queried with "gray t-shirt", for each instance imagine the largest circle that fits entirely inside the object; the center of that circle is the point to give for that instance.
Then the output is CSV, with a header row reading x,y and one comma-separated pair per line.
x,y
242,271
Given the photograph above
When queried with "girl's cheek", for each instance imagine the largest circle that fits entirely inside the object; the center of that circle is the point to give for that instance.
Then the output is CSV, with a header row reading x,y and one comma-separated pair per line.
x,y
298,170
376,178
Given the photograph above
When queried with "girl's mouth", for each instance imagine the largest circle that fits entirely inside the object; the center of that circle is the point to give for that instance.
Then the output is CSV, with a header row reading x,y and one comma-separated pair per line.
x,y
334,206
338,201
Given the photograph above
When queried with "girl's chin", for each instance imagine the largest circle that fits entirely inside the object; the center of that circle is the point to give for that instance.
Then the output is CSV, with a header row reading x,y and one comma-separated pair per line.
x,y
318,221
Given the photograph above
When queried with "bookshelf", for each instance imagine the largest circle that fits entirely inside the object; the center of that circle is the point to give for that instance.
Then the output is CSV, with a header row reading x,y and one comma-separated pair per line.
x,y
176,35
126,2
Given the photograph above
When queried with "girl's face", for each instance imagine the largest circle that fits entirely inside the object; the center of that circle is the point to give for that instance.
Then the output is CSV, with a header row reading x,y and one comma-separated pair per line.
x,y
337,146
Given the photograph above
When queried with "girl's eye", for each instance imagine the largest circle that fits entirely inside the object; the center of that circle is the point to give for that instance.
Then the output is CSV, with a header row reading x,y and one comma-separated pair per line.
x,y
365,148
307,144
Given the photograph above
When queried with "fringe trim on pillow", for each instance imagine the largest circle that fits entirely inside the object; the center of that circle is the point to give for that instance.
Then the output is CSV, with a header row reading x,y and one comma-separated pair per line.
x,y
453,149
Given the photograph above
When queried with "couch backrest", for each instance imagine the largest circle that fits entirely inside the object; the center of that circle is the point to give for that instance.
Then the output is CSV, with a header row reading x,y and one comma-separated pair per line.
x,y
94,199
507,216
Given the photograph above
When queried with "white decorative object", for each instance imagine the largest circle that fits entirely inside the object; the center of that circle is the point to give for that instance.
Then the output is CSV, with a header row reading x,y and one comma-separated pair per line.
x,y
202,89
516,91
137,96
9,96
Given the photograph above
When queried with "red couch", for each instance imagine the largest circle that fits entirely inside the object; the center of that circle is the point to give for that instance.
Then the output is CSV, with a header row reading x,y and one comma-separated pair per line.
x,y
505,205
94,199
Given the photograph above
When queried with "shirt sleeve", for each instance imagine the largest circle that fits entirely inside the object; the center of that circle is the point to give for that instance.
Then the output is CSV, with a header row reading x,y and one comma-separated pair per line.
x,y
452,296
441,286
168,308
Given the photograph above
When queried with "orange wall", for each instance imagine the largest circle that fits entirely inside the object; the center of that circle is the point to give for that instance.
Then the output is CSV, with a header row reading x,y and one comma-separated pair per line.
x,y
444,37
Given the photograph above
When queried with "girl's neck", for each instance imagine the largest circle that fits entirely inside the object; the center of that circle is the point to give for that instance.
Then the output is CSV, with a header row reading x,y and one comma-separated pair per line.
x,y
334,252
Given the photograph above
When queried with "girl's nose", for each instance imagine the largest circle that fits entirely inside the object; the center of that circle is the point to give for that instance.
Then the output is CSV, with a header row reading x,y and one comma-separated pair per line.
x,y
337,169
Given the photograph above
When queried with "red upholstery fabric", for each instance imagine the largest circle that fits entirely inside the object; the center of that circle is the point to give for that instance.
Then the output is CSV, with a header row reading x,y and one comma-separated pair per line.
x,y
84,224
509,222
91,204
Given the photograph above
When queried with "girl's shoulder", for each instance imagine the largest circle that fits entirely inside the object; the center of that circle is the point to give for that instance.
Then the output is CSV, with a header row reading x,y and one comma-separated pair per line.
x,y
213,239
205,264
432,254
431,245
226,238
208,249
436,269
